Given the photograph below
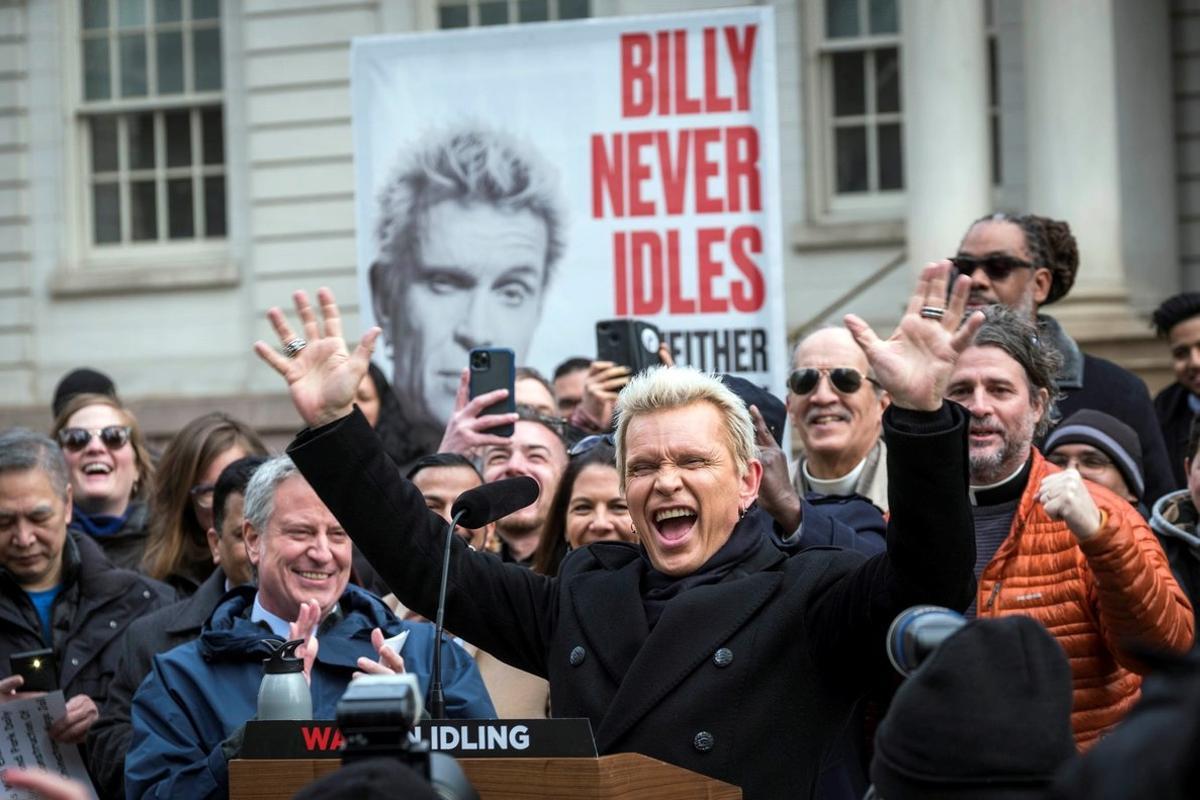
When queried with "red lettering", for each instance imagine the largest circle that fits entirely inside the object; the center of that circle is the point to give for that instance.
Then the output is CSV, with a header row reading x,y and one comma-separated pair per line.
x,y
637,84
639,172
664,72
620,274
684,103
608,172
714,103
706,167
678,303
315,738
338,741
741,54
741,165
745,240
647,262
674,170
709,270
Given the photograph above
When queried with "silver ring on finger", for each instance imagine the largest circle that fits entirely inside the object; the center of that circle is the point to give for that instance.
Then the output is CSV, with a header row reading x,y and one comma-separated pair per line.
x,y
932,312
292,347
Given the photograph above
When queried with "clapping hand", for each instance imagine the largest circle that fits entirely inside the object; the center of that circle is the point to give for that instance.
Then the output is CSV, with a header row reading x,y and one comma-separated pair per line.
x,y
390,662
321,373
305,627
915,363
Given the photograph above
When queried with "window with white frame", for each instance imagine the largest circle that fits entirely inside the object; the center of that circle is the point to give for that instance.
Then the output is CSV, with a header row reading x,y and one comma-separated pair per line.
x,y
151,108
470,13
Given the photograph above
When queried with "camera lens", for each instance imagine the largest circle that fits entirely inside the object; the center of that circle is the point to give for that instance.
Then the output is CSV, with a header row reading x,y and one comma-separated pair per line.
x,y
480,360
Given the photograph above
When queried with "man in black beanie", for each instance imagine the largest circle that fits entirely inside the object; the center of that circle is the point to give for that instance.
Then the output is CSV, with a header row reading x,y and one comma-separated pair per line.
x,y
1177,322
986,717
84,380
1104,450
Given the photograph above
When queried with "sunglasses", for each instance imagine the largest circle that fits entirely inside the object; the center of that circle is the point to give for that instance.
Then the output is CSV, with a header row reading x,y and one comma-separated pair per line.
x,y
588,443
996,267
846,380
114,437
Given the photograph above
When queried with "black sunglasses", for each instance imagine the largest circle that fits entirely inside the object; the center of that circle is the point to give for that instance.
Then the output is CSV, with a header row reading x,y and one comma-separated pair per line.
x,y
996,267
846,380
114,437
588,443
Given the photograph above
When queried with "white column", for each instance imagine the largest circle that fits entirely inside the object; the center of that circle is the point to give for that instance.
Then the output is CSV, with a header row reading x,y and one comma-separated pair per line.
x,y
947,154
1073,169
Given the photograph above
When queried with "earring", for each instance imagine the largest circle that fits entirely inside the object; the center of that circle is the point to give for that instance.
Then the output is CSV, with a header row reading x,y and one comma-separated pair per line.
x,y
741,514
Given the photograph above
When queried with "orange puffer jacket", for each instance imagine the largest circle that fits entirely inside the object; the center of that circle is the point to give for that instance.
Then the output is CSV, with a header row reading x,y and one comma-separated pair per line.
x,y
1091,595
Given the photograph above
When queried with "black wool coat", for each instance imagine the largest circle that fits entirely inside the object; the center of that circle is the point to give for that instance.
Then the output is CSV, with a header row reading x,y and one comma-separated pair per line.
x,y
157,632
1175,418
749,680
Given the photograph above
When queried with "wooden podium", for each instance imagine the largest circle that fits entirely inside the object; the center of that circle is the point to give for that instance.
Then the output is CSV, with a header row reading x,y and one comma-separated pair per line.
x,y
625,775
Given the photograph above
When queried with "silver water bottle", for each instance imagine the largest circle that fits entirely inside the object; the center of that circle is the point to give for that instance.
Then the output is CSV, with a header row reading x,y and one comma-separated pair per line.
x,y
284,692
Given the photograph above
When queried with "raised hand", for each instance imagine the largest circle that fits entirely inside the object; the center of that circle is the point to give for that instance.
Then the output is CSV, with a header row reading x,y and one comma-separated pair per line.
x,y
466,430
390,662
1065,497
776,495
321,373
304,628
604,382
914,364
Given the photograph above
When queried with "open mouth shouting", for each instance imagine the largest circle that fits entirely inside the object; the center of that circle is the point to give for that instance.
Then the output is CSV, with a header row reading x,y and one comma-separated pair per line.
x,y
672,525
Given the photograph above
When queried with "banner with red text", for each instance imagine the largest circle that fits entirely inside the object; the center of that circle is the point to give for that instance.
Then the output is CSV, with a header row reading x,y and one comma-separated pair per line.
x,y
517,184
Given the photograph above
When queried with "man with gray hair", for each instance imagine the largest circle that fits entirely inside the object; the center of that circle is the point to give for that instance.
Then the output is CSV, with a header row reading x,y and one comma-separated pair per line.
x,y
57,589
1050,545
189,713
470,229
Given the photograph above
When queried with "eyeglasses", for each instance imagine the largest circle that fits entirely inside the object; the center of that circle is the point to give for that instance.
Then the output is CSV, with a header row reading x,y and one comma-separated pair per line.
x,y
846,380
114,437
996,267
202,494
588,443
1089,461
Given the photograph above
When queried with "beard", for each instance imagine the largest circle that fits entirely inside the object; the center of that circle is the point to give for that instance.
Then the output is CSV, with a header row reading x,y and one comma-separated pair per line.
x,y
996,464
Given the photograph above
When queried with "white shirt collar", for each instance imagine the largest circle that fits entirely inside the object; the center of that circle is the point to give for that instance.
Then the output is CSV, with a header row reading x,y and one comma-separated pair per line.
x,y
278,625
842,486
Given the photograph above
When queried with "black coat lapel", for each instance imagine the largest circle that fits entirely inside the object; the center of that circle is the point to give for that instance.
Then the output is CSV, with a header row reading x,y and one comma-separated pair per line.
x,y
692,627
608,607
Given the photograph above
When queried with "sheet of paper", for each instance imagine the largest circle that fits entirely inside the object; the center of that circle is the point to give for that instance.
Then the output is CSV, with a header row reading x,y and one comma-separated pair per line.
x,y
25,741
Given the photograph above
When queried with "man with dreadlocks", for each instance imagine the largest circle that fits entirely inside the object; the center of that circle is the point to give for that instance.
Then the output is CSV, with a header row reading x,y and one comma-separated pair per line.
x,y
1024,261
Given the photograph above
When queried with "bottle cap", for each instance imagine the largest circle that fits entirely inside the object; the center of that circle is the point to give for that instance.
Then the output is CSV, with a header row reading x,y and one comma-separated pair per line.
x,y
284,660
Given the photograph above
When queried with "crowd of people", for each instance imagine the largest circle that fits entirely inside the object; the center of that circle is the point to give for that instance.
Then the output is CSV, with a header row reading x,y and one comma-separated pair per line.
x,y
681,580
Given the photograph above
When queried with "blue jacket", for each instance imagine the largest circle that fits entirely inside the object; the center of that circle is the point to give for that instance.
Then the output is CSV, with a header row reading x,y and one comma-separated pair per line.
x,y
197,694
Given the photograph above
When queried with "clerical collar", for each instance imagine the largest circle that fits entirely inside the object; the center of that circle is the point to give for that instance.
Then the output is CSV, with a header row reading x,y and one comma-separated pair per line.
x,y
1002,491
842,486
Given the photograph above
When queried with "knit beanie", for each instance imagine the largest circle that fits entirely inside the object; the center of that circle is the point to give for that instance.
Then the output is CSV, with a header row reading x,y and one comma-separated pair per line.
x,y
81,381
986,717
1109,435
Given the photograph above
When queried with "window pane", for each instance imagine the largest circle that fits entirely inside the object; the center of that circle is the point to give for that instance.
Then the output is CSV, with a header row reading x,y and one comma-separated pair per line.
x,y
170,62
104,144
179,138
883,17
206,9
131,13
95,14
841,18
180,224
143,211
851,147
141,141
206,46
533,10
453,17
214,206
493,12
96,83
573,9
213,136
106,213
168,10
849,92
887,80
891,157
133,65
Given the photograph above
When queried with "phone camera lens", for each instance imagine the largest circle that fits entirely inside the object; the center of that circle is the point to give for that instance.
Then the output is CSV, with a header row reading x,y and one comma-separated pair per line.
x,y
480,360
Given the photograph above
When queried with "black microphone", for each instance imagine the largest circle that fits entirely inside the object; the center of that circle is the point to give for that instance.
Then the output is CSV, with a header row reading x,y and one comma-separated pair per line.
x,y
473,509
917,632
491,501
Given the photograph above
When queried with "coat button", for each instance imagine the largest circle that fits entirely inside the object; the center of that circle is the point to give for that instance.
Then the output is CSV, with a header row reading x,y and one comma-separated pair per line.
x,y
703,741
74,662
578,654
146,593
723,657
112,623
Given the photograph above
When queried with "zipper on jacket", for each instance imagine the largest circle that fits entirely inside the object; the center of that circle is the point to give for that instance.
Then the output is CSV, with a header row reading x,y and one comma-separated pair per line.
x,y
992,597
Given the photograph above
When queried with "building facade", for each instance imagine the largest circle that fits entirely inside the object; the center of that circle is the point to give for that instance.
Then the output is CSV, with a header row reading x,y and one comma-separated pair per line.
x,y
169,169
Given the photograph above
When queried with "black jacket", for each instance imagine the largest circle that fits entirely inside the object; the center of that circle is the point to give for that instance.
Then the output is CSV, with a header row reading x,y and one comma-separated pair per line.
x,y
108,740
125,547
1175,420
749,680
97,604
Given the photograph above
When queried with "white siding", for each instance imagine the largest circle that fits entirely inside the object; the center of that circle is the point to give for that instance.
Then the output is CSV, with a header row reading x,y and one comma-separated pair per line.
x,y
16,320
1185,25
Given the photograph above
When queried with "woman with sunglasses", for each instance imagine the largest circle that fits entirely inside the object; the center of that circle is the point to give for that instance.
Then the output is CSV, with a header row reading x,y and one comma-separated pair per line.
x,y
111,474
588,506
181,509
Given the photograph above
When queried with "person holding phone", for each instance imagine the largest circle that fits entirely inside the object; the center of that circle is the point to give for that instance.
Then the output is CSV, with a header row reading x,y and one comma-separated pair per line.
x,y
58,593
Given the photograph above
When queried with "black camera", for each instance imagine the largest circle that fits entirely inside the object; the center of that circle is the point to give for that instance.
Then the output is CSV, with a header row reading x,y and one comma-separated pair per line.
x,y
480,359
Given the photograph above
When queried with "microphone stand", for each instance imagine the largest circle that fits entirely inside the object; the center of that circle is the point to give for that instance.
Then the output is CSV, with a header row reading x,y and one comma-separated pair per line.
x,y
437,699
